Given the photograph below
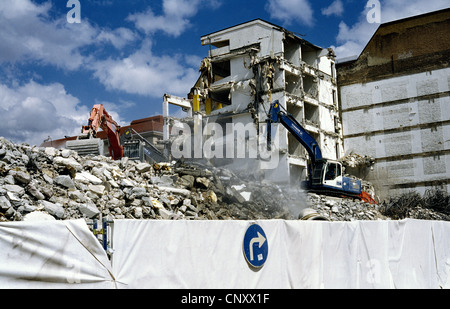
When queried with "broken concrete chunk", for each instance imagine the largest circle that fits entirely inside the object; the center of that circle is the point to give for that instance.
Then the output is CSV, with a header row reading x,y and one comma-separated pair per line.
x,y
143,167
51,151
203,182
68,162
183,192
65,181
97,189
10,212
186,181
126,183
87,177
26,208
22,177
137,192
37,216
5,204
165,214
76,195
246,195
157,204
235,195
210,196
55,210
47,178
33,191
65,153
138,212
14,199
89,210
163,180
15,189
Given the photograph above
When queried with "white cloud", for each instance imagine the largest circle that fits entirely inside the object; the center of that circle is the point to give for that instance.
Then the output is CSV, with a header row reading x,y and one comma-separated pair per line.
x,y
175,18
335,8
28,34
118,37
398,9
147,74
289,11
32,112
352,39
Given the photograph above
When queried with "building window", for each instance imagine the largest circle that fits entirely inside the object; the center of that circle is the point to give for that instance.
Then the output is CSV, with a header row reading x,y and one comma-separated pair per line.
x,y
221,70
292,51
333,70
293,84
310,86
309,55
222,96
311,113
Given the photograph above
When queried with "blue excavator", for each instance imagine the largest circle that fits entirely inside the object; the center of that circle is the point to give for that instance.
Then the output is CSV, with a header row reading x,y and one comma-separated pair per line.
x,y
324,176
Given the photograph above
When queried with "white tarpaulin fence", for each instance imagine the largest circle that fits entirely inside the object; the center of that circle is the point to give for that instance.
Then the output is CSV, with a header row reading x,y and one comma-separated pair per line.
x,y
52,254
209,254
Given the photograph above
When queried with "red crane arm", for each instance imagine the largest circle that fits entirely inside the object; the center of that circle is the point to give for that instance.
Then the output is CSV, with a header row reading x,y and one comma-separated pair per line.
x,y
101,119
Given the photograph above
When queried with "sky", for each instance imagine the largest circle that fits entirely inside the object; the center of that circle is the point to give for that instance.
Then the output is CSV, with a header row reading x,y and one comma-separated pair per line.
x,y
60,57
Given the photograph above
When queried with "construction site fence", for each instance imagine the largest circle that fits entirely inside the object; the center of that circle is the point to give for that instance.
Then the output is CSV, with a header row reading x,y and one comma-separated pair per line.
x,y
210,254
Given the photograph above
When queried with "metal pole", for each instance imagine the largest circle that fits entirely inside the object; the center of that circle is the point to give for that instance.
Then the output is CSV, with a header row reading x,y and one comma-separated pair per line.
x,y
105,234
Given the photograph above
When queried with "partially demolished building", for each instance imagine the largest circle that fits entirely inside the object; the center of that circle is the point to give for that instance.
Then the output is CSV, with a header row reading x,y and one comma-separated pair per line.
x,y
249,66
396,107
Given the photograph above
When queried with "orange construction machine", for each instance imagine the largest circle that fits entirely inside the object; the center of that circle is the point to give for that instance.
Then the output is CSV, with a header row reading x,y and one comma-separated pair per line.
x,y
88,143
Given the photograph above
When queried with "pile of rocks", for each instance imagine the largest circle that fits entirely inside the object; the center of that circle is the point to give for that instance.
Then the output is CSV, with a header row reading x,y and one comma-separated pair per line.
x,y
356,160
48,183
59,184
344,209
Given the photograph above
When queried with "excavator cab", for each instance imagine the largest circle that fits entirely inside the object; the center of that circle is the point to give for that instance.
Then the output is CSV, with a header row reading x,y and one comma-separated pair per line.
x,y
329,175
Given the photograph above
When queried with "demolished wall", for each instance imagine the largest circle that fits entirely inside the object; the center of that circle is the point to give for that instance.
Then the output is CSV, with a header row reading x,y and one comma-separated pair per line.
x,y
250,66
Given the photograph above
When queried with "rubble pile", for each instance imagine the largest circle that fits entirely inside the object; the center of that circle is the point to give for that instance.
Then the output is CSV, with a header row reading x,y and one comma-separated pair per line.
x,y
344,209
49,183
58,184
356,160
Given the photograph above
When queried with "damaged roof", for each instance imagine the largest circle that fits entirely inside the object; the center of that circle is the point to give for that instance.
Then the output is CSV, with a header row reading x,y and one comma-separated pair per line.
x,y
260,21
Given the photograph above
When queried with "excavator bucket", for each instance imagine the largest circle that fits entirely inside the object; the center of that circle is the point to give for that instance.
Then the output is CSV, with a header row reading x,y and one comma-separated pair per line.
x,y
366,197
93,146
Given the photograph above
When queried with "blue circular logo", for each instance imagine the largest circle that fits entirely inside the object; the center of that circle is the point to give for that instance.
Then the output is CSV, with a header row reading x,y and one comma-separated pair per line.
x,y
255,246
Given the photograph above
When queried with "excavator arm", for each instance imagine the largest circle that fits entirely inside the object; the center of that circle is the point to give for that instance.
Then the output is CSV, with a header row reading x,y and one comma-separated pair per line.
x,y
277,115
324,175
101,119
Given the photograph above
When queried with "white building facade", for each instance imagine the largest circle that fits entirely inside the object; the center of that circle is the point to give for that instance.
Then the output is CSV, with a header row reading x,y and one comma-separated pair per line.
x,y
396,106
253,64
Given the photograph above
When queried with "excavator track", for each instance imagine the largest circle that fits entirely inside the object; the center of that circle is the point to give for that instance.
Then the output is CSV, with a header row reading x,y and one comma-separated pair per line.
x,y
364,196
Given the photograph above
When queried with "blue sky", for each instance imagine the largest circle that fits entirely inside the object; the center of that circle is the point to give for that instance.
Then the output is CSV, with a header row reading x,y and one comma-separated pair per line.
x,y
127,54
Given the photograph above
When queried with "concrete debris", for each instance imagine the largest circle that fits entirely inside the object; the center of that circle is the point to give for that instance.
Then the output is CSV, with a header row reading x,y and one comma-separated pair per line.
x,y
44,183
342,209
355,160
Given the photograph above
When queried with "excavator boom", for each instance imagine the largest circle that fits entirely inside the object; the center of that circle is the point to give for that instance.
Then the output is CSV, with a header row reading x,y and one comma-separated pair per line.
x,y
88,143
324,175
